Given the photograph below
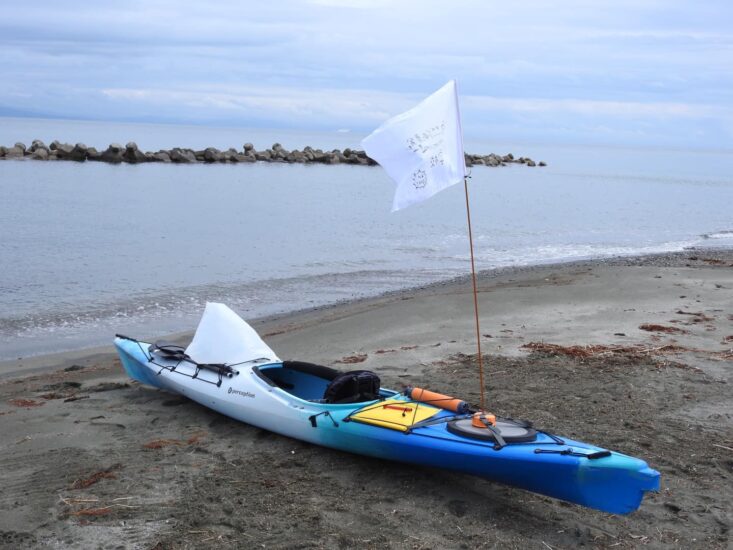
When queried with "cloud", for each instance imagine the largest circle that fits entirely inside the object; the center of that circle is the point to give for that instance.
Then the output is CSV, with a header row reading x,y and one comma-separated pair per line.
x,y
352,4
575,66
491,118
599,108
320,107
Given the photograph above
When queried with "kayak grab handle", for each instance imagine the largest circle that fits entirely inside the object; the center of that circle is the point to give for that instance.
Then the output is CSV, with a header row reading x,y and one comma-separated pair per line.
x,y
437,399
572,452
404,410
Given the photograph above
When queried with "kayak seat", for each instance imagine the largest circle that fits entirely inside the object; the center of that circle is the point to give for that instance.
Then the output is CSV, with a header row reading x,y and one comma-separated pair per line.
x,y
322,384
319,371
355,386
304,380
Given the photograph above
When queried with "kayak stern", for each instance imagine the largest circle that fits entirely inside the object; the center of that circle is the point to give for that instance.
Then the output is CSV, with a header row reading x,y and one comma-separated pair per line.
x,y
615,484
130,353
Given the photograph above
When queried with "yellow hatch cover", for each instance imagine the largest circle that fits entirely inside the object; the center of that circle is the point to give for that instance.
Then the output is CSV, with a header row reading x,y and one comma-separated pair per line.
x,y
394,414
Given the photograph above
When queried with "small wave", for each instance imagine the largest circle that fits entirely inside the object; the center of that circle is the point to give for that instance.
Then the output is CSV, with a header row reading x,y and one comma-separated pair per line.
x,y
165,311
725,234
558,253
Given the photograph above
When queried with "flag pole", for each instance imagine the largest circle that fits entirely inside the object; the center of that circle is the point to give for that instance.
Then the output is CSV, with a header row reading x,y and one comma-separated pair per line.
x,y
475,299
473,263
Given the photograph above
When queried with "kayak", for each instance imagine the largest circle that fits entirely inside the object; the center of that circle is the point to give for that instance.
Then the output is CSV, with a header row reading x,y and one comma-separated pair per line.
x,y
229,369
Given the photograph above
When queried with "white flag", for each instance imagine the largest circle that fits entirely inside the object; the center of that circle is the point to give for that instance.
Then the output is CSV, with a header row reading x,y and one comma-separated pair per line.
x,y
421,149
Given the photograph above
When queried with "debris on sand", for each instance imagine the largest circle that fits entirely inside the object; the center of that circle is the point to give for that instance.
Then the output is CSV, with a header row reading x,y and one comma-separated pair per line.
x,y
650,327
73,368
699,316
62,390
162,443
108,386
65,385
83,483
92,511
26,403
637,351
598,350
75,398
382,351
351,359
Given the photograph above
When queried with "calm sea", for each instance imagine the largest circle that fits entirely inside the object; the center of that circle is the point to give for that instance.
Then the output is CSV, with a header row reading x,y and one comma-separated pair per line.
x,y
87,250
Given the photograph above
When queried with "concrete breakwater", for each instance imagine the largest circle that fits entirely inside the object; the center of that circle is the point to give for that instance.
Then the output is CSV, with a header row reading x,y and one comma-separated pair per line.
x,y
131,154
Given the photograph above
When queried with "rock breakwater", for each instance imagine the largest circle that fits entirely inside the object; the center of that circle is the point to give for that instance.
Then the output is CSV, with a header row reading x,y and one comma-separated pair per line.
x,y
131,154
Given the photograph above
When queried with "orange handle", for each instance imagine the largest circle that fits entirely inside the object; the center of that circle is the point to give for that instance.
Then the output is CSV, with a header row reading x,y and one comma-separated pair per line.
x,y
478,419
395,407
438,400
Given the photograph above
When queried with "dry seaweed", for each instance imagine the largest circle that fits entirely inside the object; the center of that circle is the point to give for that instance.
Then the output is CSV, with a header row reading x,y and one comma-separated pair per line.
x,y
83,483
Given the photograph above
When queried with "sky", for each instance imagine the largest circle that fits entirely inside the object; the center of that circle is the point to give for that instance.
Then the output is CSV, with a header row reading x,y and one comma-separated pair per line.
x,y
644,72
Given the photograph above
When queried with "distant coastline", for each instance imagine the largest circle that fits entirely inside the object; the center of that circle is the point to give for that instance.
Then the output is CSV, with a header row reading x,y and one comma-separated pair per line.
x,y
131,154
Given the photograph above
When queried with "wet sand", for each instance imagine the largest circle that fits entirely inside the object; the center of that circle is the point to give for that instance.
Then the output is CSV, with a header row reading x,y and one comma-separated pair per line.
x,y
91,459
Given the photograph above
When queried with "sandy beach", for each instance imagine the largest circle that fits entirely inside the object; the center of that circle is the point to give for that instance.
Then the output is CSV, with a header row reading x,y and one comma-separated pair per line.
x,y
632,354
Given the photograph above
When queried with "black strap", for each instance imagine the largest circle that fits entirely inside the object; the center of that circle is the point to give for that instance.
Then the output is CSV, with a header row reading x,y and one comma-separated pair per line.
x,y
171,351
434,421
500,443
328,414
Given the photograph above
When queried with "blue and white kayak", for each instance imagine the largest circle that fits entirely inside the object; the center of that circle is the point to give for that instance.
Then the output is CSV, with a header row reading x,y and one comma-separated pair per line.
x,y
229,369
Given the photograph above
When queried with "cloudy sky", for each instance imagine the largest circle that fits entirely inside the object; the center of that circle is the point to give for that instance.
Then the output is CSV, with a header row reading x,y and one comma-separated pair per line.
x,y
642,72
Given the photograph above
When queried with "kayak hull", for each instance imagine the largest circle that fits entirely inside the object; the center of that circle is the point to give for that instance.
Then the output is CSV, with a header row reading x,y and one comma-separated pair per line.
x,y
557,467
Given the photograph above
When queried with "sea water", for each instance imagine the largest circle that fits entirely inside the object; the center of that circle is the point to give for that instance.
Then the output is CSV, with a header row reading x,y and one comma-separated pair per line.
x,y
90,249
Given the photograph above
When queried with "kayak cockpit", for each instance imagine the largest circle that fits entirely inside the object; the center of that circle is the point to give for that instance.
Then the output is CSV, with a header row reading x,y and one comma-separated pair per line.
x,y
319,384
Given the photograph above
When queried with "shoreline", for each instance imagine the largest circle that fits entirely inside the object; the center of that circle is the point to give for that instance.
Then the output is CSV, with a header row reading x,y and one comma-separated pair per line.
x,y
632,354
279,322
